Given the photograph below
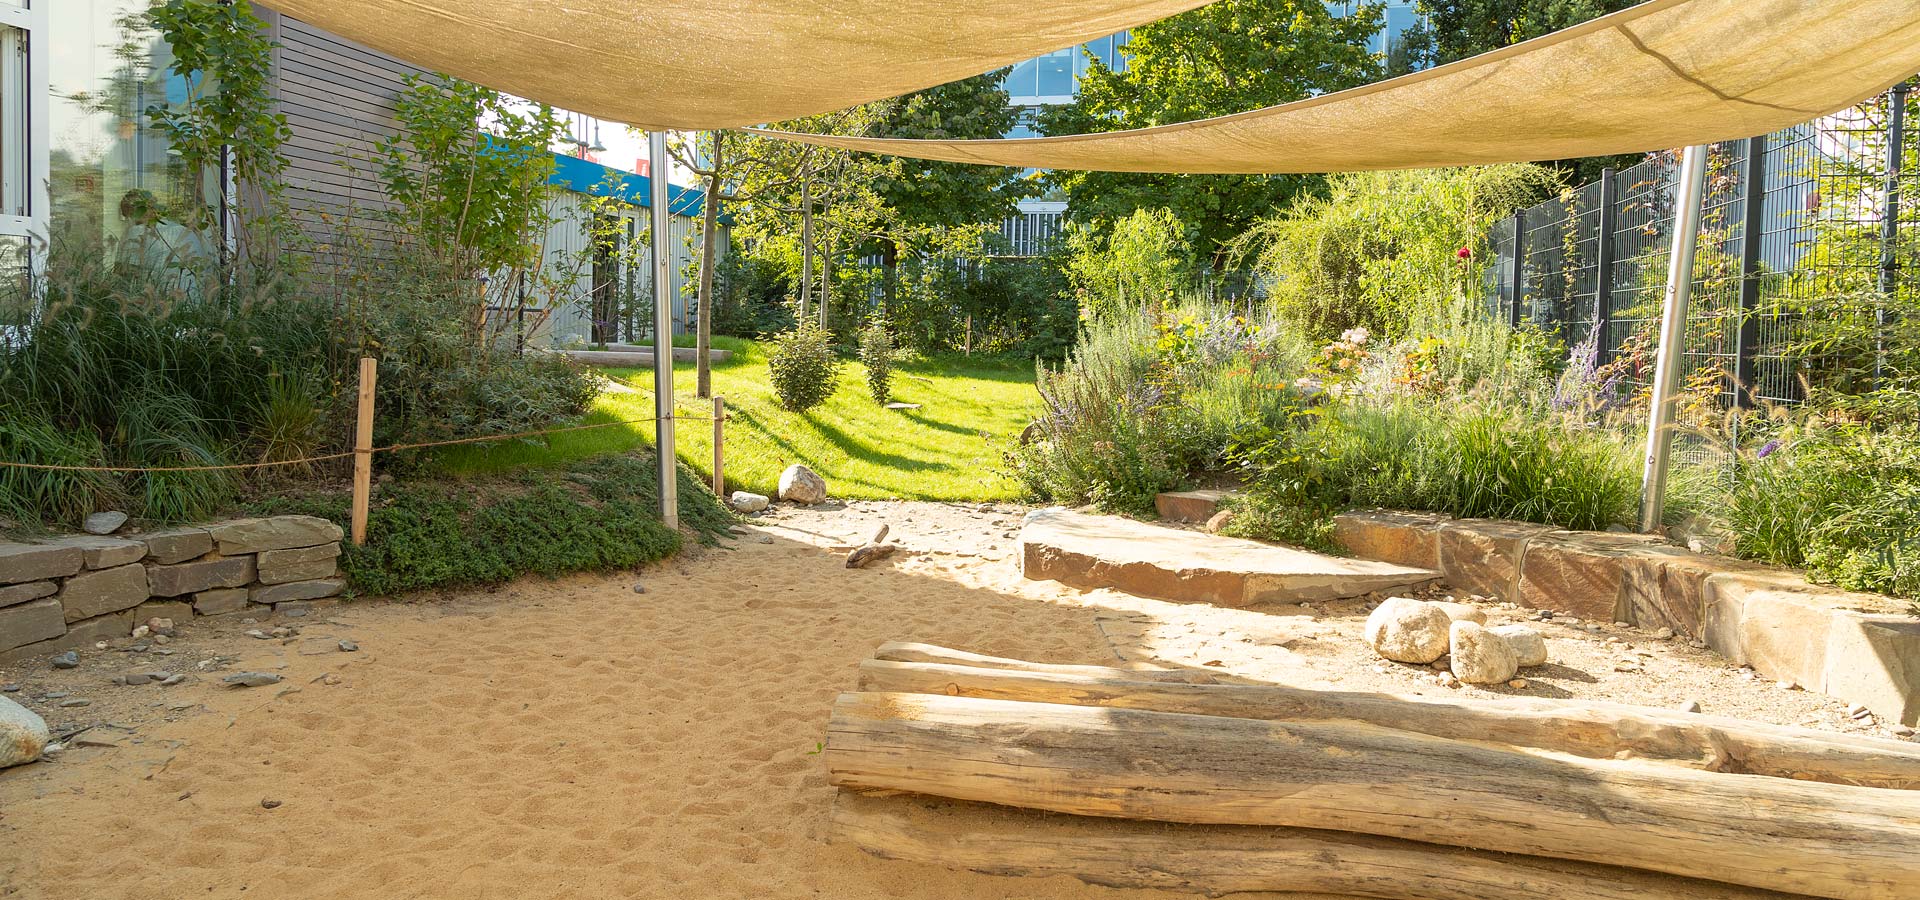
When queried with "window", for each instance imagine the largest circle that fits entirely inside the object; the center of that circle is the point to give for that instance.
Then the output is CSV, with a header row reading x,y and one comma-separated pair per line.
x,y
23,113
1056,73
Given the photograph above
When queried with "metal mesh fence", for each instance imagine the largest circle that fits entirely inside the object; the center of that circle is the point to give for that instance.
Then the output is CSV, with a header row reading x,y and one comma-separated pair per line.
x,y
1803,231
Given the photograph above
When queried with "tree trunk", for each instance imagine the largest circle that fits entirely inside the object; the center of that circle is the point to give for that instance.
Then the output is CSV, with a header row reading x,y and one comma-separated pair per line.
x,y
1224,859
889,273
1848,843
1592,730
709,222
826,282
806,242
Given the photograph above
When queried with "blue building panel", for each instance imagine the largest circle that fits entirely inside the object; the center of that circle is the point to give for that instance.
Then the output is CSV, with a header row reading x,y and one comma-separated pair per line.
x,y
595,180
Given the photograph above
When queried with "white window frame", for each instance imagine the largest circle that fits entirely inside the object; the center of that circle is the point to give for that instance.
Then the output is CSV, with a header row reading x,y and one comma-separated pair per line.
x,y
25,130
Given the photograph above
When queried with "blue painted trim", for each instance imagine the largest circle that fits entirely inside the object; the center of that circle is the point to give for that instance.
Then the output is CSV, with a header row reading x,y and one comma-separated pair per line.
x,y
591,178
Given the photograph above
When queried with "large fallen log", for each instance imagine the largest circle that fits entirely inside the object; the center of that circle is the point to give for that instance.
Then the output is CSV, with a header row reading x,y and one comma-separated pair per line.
x,y
1594,730
1838,841
1225,859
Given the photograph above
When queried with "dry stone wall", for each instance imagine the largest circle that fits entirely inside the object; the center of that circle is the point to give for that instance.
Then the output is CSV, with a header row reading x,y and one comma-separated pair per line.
x,y
69,591
1862,648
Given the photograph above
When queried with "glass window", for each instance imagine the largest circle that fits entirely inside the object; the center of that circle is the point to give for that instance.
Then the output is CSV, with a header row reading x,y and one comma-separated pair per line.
x,y
1101,50
1021,82
114,178
1056,73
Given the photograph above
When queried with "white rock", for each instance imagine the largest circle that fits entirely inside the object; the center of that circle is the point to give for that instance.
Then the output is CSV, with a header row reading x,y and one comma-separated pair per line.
x,y
1461,612
1481,656
23,734
1408,631
799,484
104,522
1529,646
745,502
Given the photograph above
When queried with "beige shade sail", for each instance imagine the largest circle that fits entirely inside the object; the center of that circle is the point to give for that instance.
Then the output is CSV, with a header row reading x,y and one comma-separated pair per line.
x,y
694,64
1664,74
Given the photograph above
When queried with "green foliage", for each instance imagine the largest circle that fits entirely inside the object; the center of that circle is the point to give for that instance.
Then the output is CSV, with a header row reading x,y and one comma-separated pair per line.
x,y
221,53
803,367
1382,250
467,196
1226,57
876,354
1142,261
595,515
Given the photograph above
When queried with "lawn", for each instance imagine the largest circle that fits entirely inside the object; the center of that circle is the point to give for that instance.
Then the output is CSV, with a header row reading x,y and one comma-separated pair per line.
x,y
952,448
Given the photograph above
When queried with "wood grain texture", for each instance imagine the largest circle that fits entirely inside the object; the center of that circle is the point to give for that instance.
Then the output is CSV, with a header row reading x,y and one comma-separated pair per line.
x,y
1224,859
1589,729
1837,841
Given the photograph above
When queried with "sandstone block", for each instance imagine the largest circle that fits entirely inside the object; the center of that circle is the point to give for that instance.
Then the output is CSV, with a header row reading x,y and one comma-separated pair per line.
x,y
1406,539
305,564
97,593
273,558
38,562
31,622
1188,506
206,574
105,552
1874,660
1774,622
180,611
276,533
1578,573
1483,556
177,545
220,601
298,590
1408,631
113,627
1666,587
20,593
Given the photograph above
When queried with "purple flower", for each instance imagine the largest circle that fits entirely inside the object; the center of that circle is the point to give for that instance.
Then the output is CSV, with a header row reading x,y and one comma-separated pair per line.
x,y
1767,449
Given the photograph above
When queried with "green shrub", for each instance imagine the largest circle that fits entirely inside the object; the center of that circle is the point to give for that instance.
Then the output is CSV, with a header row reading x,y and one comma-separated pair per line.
x,y
804,369
876,353
1841,502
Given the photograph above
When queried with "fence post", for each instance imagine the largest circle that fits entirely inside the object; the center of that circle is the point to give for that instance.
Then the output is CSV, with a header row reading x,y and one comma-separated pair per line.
x,y
1746,338
719,446
1603,270
1673,335
363,450
1890,215
1519,267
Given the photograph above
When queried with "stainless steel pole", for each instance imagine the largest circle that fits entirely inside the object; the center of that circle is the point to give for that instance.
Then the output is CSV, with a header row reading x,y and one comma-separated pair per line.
x,y
662,328
1673,335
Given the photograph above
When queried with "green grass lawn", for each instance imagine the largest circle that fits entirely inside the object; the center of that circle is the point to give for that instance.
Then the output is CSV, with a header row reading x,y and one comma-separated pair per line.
x,y
952,448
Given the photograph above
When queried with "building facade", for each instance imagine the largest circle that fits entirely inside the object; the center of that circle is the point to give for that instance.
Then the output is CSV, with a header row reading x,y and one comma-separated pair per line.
x,y
81,164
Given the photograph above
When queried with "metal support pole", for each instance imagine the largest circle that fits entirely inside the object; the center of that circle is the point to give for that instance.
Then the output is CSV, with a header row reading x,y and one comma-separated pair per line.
x,y
1673,335
1746,339
1519,267
1603,263
662,329
1890,213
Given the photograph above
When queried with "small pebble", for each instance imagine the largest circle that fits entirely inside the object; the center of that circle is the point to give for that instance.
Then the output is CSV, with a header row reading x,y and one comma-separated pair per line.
x,y
1903,731
269,804
54,695
252,679
258,634
75,703
67,660
172,680
1518,684
639,588
349,647
1786,685
9,688
1691,706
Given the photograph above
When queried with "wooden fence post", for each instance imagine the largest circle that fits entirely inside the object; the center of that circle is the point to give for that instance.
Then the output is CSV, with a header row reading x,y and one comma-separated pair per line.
x,y
719,446
363,450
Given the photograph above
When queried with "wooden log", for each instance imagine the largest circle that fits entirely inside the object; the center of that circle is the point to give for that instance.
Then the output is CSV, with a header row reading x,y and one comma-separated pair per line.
x,y
1838,841
1593,730
1225,859
905,651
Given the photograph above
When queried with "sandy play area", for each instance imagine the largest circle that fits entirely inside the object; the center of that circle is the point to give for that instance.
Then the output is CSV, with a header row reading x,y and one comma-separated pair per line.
x,y
576,738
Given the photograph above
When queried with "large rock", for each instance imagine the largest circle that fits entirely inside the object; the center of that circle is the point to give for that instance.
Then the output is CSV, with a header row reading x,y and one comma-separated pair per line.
x,y
277,533
299,590
220,601
104,522
1408,631
1480,656
1576,573
177,545
20,593
23,735
304,564
31,622
1529,646
38,562
204,575
1461,612
105,552
799,484
1164,563
1189,506
748,502
1482,556
92,594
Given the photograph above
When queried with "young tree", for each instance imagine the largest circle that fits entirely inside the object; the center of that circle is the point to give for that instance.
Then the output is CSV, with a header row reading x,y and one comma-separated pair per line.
x,y
1228,57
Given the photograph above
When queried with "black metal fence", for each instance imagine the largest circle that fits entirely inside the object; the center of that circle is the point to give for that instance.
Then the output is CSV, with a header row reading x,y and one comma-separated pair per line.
x,y
1792,220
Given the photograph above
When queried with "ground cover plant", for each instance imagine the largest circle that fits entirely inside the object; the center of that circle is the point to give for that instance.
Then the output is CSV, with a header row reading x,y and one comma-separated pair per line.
x,y
951,448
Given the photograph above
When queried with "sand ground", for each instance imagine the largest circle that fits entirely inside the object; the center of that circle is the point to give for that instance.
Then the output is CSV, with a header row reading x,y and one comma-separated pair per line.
x,y
574,738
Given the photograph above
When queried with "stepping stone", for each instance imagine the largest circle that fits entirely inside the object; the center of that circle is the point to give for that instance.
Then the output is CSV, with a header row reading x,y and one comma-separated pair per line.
x,y
1147,560
1189,506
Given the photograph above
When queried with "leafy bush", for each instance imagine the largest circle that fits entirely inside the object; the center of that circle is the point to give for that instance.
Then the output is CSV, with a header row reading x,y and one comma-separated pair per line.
x,y
1144,261
803,366
876,353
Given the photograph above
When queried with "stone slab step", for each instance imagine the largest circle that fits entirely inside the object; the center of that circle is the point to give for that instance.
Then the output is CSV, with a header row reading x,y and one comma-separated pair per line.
x,y
1189,506
1089,552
